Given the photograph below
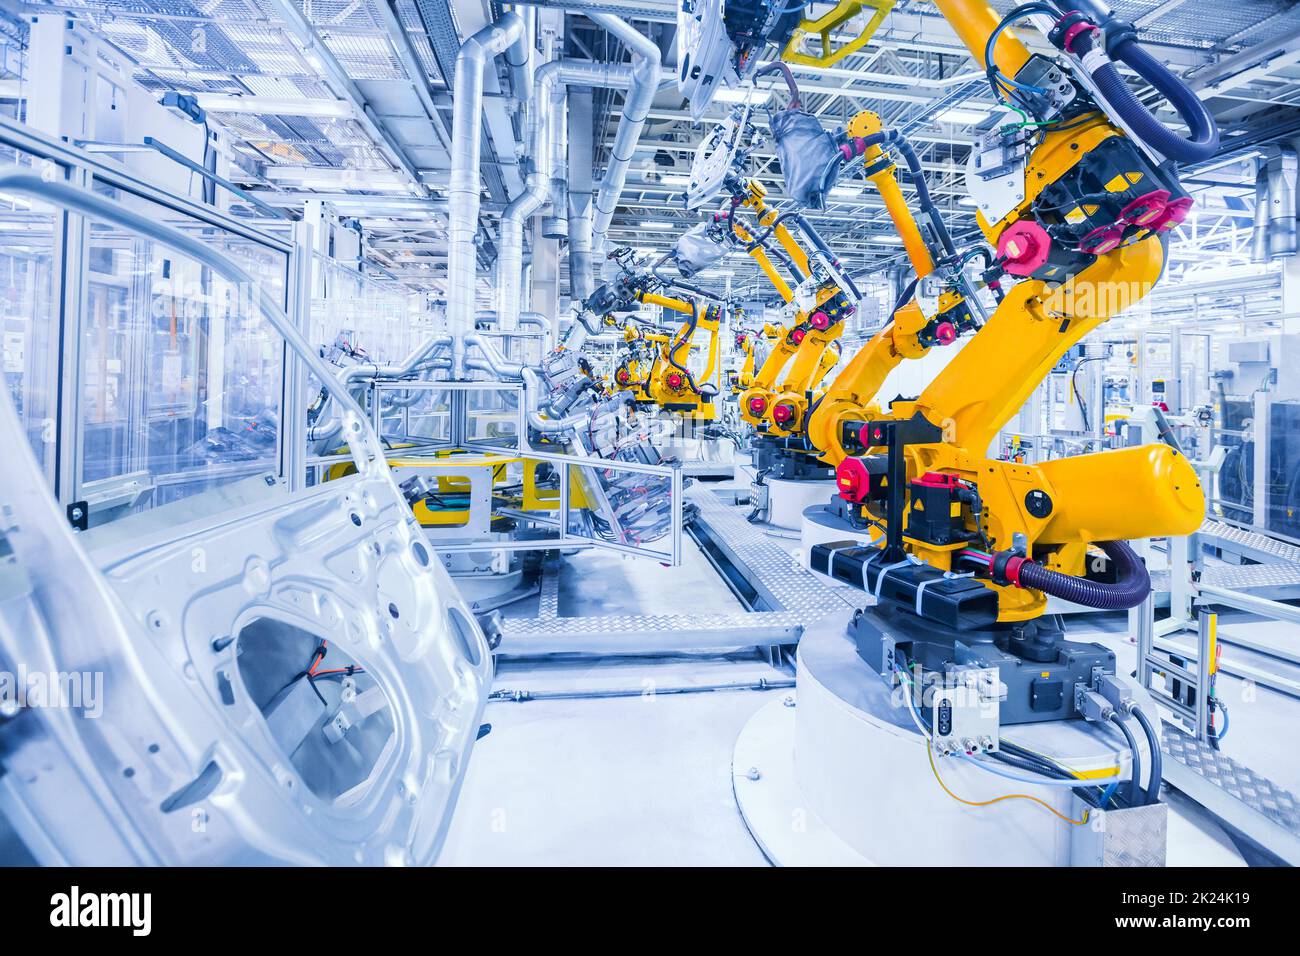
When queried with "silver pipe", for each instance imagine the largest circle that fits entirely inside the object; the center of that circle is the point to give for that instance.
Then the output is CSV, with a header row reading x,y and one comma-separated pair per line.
x,y
465,182
548,157
1275,235
580,197
523,696
519,60
536,320
510,247
636,107
420,357
492,361
1259,232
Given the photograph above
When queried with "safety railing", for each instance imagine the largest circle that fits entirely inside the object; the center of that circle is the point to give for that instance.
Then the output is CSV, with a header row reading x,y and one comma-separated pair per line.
x,y
597,502
615,490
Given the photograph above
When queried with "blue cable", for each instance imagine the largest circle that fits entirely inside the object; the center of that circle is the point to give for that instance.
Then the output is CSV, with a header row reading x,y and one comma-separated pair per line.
x,y
989,61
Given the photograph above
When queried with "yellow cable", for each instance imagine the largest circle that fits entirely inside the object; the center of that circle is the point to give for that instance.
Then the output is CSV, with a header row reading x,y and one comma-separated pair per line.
x,y
929,752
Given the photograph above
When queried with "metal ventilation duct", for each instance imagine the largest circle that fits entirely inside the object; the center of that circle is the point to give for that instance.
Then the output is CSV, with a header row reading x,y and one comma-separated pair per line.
x,y
1275,235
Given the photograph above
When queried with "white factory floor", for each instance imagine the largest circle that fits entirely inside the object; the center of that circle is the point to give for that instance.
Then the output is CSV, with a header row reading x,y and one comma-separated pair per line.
x,y
646,779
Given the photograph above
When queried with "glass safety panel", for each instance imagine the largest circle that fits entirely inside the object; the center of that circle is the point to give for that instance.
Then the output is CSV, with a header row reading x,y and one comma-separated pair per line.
x,y
28,256
459,416
180,373
357,321
622,509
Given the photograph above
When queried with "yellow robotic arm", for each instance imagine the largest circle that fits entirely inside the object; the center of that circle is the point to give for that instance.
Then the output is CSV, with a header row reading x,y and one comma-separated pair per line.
x,y
908,335
1086,238
807,350
668,380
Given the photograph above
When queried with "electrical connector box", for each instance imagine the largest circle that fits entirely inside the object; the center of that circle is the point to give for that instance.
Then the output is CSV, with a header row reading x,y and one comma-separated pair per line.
x,y
964,713
1117,693
1091,705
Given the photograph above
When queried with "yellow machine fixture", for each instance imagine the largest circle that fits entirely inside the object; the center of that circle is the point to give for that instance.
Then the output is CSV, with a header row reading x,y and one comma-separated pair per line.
x,y
747,342
832,23
450,488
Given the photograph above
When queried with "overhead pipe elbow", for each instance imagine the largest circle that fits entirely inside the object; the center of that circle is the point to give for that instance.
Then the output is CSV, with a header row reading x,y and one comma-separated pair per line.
x,y
492,360
546,150
1275,233
537,321
463,193
519,57
543,130
646,68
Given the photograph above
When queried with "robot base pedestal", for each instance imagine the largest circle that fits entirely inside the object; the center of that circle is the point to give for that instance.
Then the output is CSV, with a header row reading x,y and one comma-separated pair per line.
x,y
818,525
787,500
843,778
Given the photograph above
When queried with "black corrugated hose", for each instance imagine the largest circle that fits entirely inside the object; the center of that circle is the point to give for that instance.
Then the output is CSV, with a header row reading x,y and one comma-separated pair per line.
x,y
1131,587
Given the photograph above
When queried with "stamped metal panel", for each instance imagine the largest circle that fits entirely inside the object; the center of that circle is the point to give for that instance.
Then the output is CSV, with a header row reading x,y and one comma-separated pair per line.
x,y
161,756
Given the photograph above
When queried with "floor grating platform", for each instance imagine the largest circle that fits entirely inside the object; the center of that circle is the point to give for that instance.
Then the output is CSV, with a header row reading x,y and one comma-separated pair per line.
x,y
796,596
1255,805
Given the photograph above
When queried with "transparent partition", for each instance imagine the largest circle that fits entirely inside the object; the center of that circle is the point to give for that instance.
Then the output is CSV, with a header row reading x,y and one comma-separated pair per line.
x,y
449,414
634,510
626,506
357,321
29,261
181,375
382,321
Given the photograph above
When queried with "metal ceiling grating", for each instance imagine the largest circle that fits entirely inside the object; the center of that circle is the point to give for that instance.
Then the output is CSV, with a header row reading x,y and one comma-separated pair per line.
x,y
364,57
409,18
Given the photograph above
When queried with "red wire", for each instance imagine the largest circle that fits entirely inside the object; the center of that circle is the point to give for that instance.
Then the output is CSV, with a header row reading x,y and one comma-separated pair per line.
x,y
320,656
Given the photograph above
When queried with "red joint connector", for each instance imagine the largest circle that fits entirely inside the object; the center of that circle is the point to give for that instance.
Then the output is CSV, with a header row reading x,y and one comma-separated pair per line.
x,y
871,436
1024,248
1146,210
853,480
1102,240
1014,566
1175,213
1072,33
